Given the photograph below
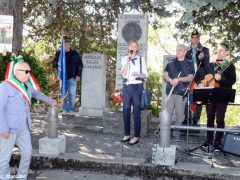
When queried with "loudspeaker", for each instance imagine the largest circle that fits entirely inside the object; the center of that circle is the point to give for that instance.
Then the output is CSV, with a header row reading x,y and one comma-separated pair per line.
x,y
231,143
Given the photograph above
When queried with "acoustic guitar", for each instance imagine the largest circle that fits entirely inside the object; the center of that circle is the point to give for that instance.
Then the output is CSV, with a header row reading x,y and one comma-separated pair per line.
x,y
209,79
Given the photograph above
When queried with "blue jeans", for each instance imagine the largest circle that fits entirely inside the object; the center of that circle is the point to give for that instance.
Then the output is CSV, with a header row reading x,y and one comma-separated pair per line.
x,y
23,140
69,102
132,96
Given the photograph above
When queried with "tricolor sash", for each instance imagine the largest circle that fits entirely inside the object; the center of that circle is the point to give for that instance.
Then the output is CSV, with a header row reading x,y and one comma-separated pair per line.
x,y
19,87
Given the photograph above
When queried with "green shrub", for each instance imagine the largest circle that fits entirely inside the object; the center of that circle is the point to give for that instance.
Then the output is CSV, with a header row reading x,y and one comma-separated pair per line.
x,y
154,84
38,70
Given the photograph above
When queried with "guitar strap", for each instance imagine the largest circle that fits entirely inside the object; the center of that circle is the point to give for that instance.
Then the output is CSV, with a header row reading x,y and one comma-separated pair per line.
x,y
220,65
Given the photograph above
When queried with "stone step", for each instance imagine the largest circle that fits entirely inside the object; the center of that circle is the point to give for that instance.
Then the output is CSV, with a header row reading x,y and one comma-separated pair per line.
x,y
78,175
117,166
82,120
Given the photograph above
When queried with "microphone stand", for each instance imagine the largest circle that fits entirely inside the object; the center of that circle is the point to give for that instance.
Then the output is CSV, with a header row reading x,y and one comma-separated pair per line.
x,y
188,103
171,91
187,152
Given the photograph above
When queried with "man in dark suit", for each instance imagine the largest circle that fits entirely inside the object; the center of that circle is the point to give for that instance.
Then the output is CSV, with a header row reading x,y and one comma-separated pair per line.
x,y
200,57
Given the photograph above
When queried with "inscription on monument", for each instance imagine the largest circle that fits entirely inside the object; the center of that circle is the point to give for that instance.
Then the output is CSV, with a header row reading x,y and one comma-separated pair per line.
x,y
130,27
93,96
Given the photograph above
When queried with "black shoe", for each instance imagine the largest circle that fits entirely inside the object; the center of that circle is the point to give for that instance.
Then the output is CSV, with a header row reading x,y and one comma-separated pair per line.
x,y
125,140
207,146
217,145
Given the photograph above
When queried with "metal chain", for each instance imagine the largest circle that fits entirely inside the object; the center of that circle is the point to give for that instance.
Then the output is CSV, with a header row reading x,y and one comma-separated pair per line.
x,y
146,172
124,177
156,140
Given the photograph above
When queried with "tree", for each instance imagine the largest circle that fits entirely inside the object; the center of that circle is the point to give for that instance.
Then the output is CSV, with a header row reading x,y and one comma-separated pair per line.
x,y
219,24
91,23
14,8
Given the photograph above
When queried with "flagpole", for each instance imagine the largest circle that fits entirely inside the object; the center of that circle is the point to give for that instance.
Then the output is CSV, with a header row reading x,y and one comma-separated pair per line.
x,y
60,81
62,76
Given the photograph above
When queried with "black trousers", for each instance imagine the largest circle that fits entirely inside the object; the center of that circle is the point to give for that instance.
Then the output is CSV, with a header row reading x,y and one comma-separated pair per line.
x,y
215,110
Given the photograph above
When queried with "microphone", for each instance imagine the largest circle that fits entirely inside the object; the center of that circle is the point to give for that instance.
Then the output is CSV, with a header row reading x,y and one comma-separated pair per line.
x,y
130,54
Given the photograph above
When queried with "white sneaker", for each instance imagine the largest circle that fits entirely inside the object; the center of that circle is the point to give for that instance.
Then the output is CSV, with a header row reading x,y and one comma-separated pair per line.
x,y
71,113
64,113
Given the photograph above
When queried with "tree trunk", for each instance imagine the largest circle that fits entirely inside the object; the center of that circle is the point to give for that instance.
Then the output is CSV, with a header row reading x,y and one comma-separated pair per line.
x,y
14,8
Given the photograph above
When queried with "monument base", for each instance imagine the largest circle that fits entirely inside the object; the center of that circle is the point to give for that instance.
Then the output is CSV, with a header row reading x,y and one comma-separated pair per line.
x,y
90,112
52,147
113,122
165,156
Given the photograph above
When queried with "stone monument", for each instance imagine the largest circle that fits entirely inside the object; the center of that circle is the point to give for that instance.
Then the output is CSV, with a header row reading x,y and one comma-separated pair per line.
x,y
130,27
93,90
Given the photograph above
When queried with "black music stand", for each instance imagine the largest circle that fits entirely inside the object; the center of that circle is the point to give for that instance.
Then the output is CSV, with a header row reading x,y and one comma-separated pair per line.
x,y
207,95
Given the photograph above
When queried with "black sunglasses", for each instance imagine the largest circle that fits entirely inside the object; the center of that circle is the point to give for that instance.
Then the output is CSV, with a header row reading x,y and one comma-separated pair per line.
x,y
26,71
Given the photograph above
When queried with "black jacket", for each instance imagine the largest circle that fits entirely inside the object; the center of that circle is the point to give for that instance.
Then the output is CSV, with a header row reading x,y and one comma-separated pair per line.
x,y
174,67
74,63
205,66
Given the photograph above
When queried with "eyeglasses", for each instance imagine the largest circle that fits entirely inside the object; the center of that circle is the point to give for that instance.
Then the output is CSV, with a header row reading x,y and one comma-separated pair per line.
x,y
26,71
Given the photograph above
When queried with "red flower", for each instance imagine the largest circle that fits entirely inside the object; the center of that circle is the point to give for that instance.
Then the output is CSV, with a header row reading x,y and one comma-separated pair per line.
x,y
117,100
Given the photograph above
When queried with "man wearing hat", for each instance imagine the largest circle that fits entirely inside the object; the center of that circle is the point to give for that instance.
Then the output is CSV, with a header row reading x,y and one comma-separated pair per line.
x,y
74,68
198,54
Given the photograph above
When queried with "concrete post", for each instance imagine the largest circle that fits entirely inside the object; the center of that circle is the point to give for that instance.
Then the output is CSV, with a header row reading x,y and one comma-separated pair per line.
x,y
53,145
165,128
165,154
52,127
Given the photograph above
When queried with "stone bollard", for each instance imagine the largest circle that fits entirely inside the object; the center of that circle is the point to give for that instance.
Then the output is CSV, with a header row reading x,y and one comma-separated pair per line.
x,y
165,153
165,129
53,144
52,127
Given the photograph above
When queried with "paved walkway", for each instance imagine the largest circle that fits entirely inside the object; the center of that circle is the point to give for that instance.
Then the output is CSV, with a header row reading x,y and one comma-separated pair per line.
x,y
91,150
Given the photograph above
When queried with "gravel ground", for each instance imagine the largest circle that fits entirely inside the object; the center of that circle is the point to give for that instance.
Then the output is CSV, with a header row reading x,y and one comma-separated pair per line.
x,y
80,139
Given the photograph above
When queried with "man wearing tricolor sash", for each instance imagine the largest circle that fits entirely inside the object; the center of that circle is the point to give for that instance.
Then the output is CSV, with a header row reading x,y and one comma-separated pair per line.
x,y
15,121
10,67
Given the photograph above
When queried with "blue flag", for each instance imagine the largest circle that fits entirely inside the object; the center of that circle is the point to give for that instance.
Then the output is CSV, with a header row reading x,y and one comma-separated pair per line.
x,y
62,70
